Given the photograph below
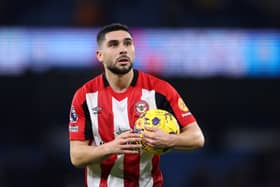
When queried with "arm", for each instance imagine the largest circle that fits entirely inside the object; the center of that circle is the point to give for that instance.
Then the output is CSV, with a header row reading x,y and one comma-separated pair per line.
x,y
191,137
82,154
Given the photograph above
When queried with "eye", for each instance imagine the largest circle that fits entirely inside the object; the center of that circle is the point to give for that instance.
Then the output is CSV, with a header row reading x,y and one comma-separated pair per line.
x,y
113,44
127,43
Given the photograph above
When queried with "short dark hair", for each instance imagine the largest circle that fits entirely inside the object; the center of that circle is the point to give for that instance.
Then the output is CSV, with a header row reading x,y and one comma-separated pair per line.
x,y
109,28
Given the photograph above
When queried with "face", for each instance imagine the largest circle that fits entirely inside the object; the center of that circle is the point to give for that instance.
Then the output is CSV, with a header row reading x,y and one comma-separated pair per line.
x,y
117,52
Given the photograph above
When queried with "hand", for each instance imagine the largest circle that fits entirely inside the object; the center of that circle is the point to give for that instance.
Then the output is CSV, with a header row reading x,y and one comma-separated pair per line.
x,y
126,143
156,138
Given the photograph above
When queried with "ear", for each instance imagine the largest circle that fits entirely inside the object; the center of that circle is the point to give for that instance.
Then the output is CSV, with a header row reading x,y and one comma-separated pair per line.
x,y
99,55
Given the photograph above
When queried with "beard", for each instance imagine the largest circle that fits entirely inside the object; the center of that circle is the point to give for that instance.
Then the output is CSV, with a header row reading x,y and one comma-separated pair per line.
x,y
120,70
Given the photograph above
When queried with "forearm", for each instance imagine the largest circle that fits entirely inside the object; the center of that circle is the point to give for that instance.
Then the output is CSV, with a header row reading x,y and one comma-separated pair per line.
x,y
83,155
190,138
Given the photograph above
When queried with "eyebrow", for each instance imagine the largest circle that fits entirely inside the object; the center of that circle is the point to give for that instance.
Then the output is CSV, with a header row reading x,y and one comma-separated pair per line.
x,y
128,39
114,41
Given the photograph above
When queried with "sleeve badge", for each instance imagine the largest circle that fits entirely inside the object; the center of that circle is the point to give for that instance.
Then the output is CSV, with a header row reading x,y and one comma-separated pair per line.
x,y
73,115
182,106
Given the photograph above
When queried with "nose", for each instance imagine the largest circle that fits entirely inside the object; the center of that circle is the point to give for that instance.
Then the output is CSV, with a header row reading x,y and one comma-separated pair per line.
x,y
123,49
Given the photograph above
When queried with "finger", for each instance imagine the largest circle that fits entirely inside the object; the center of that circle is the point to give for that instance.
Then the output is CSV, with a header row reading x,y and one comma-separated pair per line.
x,y
131,135
134,135
154,145
138,139
125,141
148,135
131,147
148,141
126,132
152,129
150,144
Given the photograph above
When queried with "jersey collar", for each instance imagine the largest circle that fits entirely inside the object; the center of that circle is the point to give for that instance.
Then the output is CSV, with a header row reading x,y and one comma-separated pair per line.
x,y
133,82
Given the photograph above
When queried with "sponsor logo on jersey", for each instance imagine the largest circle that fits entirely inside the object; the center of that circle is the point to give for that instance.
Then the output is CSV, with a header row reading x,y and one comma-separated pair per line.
x,y
96,110
182,106
120,131
73,115
141,107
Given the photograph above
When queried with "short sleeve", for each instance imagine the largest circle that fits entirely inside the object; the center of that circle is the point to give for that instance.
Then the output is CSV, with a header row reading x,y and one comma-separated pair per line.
x,y
79,120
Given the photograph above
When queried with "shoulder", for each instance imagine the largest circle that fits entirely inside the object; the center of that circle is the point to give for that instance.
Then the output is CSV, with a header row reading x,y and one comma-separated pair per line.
x,y
90,86
94,84
149,78
151,82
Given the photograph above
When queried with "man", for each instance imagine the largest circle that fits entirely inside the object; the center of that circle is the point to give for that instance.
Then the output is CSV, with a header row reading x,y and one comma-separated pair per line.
x,y
104,110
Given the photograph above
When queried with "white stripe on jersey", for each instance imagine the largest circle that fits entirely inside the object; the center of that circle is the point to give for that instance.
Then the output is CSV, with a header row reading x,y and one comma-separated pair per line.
x,y
92,102
149,97
146,179
121,121
94,173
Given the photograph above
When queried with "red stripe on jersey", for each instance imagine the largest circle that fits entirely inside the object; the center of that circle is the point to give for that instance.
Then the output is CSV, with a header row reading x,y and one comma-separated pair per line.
x,y
131,170
106,131
133,98
131,162
106,167
105,116
156,173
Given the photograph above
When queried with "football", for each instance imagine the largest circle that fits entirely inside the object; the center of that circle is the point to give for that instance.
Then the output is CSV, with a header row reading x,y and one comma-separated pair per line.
x,y
156,118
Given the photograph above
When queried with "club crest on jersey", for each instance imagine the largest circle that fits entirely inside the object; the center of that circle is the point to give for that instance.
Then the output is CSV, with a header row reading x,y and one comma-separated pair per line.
x,y
73,115
182,106
141,107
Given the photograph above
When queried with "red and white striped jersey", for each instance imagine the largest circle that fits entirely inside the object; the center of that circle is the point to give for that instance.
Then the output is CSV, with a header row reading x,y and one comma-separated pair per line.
x,y
99,114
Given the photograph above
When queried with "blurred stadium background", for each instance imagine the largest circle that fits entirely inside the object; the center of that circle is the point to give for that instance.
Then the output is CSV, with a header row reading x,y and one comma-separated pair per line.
x,y
222,55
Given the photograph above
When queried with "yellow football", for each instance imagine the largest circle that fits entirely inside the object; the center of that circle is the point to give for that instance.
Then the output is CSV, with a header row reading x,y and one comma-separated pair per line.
x,y
156,118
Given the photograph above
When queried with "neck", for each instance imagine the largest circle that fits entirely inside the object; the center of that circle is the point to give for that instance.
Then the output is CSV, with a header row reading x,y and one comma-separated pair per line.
x,y
119,83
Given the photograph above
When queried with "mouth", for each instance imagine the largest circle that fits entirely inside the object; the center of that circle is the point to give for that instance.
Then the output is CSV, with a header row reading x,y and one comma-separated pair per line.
x,y
123,60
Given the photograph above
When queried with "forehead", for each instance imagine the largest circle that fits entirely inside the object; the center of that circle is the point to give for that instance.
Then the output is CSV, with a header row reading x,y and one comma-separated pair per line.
x,y
117,35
